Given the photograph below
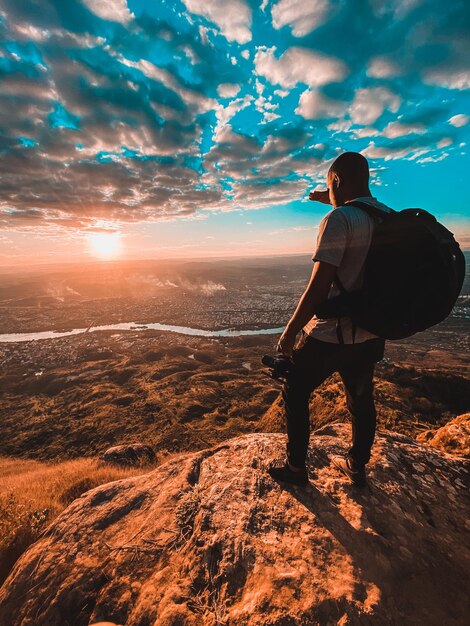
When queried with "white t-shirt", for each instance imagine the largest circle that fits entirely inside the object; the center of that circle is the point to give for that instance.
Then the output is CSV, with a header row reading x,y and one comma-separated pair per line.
x,y
343,240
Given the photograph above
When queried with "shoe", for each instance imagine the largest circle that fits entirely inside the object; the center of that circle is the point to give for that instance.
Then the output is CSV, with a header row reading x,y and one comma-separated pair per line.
x,y
283,473
356,476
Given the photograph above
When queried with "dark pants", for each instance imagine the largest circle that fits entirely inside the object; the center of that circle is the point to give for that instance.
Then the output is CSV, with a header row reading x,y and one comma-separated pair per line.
x,y
315,361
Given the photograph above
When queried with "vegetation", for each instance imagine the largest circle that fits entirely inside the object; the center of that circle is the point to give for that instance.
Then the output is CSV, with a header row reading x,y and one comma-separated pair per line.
x,y
32,494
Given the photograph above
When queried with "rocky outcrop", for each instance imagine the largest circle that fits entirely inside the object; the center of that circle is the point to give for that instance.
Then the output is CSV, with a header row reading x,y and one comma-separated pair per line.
x,y
453,438
129,455
208,538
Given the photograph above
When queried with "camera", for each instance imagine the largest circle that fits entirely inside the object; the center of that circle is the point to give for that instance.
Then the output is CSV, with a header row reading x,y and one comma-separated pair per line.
x,y
279,366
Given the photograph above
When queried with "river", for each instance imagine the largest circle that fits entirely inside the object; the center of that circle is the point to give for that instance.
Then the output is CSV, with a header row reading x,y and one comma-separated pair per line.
x,y
183,330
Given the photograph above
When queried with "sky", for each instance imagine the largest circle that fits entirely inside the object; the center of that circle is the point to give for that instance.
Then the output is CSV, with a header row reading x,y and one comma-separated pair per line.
x,y
196,128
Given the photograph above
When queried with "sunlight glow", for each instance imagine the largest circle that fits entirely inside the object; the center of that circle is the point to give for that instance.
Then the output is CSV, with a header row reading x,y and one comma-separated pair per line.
x,y
104,245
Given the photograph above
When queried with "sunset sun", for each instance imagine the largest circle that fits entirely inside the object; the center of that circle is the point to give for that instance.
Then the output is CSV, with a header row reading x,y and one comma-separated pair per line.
x,y
105,245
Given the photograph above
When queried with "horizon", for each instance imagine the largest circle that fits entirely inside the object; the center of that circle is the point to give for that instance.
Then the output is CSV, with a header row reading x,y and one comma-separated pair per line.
x,y
186,259
136,129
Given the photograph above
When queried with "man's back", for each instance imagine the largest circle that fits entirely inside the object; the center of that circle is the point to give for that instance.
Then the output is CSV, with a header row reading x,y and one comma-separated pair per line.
x,y
344,237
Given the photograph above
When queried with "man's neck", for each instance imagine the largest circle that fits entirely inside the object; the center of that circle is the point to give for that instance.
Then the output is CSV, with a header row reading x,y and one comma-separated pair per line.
x,y
365,193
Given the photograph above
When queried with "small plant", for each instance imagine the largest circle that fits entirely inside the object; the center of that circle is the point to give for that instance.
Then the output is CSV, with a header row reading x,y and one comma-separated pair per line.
x,y
20,526
187,508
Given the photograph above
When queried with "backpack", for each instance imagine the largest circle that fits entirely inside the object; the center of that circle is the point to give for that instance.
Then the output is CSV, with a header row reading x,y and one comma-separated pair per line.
x,y
412,276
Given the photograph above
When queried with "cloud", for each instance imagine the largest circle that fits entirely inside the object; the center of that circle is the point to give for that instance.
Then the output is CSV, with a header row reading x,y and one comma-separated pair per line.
x,y
192,98
369,104
450,77
382,67
433,159
298,65
167,115
112,10
408,149
314,105
228,90
303,17
233,18
397,8
398,129
264,105
225,113
459,120
444,142
257,174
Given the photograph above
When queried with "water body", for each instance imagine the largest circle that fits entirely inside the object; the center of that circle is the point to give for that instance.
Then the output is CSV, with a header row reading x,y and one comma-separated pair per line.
x,y
183,330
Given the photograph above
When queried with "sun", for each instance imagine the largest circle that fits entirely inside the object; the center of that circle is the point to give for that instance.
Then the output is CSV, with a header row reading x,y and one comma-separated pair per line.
x,y
105,245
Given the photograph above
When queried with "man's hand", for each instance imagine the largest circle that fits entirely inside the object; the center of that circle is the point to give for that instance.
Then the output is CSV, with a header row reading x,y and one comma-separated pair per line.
x,y
286,343
320,196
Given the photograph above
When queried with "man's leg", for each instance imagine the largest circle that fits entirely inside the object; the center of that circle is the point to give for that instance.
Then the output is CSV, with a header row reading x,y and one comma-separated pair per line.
x,y
314,363
358,382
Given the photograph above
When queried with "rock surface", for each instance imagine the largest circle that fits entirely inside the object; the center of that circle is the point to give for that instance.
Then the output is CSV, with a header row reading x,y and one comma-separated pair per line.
x,y
453,438
129,455
209,538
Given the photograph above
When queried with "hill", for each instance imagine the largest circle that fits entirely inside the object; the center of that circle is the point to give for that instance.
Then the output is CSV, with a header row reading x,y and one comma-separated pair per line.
x,y
209,538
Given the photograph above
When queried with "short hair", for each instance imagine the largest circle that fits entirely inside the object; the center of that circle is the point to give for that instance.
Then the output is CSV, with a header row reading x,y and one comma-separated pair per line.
x,y
352,167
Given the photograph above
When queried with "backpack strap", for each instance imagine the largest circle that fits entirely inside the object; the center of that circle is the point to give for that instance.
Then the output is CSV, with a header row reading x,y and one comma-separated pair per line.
x,y
342,290
371,210
339,330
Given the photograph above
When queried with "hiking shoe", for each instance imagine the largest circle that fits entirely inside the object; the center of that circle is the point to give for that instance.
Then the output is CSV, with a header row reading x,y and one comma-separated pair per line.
x,y
281,471
356,476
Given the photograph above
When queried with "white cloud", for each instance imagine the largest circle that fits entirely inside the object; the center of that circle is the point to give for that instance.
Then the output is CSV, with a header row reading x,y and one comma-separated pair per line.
x,y
191,98
233,18
301,16
245,54
225,113
263,104
433,159
382,67
314,105
369,104
31,32
459,120
340,126
298,65
367,131
391,153
228,90
397,129
112,10
444,142
269,116
452,78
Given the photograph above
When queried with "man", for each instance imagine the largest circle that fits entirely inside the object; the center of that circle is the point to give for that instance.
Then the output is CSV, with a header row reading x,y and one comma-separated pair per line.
x,y
333,345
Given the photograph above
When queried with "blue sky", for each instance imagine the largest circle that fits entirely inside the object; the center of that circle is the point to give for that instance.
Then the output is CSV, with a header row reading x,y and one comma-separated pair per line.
x,y
198,127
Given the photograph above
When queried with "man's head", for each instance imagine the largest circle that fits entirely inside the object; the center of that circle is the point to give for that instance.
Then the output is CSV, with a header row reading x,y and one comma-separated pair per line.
x,y
348,178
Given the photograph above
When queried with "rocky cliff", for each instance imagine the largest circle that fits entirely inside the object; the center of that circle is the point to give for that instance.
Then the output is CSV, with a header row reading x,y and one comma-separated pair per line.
x,y
453,437
209,538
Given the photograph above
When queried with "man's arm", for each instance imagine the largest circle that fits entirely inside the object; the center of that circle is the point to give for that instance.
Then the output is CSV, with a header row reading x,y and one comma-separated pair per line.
x,y
316,292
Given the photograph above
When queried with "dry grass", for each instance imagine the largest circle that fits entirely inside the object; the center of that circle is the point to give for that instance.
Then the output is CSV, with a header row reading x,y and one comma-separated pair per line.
x,y
33,493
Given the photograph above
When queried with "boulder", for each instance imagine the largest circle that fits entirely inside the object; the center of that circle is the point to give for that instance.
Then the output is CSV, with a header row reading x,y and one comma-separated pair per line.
x,y
130,454
453,437
209,538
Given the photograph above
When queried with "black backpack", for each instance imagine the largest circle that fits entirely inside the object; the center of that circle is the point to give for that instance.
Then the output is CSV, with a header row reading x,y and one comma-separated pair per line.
x,y
412,276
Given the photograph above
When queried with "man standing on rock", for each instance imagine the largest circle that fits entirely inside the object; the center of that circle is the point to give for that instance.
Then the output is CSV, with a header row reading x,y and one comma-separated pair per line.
x,y
333,345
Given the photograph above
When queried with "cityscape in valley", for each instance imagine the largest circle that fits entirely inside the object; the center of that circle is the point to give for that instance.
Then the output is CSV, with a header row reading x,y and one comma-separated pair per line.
x,y
181,349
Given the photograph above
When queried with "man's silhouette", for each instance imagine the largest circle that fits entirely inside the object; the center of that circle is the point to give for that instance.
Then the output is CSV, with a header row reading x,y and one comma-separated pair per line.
x,y
333,345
